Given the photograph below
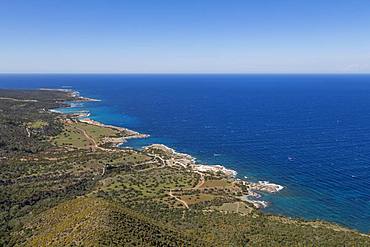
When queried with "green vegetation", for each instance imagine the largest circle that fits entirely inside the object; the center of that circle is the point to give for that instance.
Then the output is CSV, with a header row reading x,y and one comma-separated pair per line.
x,y
214,183
234,207
60,187
38,124
96,132
72,136
194,199
99,223
82,135
144,184
25,124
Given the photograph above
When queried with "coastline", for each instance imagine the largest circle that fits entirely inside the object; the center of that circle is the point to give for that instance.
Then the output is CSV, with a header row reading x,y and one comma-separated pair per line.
x,y
156,182
251,195
72,93
117,141
158,186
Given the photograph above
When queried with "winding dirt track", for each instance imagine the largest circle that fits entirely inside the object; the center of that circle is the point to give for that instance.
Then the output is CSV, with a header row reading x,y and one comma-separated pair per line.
x,y
96,146
178,199
201,181
92,141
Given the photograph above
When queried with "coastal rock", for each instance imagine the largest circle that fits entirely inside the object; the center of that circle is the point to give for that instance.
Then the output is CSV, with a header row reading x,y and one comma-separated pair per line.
x,y
215,169
266,186
187,160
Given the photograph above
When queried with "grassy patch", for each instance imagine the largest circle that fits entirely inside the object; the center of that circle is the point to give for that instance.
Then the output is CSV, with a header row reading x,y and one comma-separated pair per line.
x,y
82,135
212,183
234,207
146,184
98,133
72,136
39,124
130,157
194,199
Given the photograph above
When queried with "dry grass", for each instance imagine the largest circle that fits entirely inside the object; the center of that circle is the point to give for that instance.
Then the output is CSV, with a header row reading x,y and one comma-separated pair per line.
x,y
216,183
37,124
98,133
234,207
194,199
74,136
76,222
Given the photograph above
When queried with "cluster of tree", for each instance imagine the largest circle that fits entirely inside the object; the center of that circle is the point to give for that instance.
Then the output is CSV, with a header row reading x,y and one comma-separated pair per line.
x,y
130,228
19,109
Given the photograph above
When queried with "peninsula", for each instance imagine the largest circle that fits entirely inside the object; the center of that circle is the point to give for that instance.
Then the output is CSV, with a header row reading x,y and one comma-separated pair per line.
x,y
64,181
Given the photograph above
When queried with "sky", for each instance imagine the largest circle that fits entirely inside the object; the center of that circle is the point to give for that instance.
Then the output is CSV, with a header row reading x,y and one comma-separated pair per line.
x,y
185,36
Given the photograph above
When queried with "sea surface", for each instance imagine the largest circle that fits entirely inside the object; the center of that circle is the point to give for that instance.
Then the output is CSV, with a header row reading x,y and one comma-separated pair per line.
x,y
309,133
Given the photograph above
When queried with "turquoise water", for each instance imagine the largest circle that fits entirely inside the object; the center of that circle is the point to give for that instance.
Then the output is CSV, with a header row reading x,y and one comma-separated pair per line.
x,y
309,133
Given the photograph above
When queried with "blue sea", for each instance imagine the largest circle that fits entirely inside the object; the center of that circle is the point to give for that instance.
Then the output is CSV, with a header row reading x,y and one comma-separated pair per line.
x,y
309,133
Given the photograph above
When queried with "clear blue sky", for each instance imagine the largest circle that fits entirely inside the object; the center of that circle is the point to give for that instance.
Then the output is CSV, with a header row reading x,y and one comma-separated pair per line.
x,y
185,36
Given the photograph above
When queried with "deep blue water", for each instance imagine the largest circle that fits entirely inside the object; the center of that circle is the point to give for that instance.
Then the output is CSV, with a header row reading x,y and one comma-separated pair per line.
x,y
309,133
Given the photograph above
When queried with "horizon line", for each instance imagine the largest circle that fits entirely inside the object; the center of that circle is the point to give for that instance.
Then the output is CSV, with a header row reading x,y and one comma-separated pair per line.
x,y
184,73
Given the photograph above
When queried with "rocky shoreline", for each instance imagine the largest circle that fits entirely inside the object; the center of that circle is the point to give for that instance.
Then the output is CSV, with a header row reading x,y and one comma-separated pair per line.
x,y
72,93
184,160
187,161
128,134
